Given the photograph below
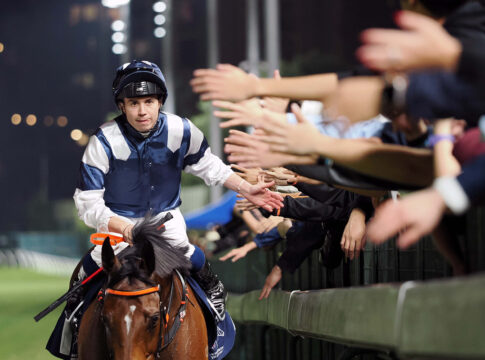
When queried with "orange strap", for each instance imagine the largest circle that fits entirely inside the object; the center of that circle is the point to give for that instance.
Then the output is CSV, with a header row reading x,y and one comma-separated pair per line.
x,y
98,238
133,293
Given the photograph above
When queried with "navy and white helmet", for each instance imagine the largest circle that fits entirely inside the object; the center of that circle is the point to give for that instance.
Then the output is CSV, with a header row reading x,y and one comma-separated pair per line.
x,y
139,78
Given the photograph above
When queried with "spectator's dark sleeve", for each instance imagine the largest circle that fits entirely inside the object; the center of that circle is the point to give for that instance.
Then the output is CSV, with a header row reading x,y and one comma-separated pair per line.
x,y
364,203
302,239
440,94
339,175
470,67
308,209
472,180
326,194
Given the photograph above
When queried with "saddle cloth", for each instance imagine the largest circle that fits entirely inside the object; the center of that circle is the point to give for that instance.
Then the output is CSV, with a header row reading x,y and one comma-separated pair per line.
x,y
221,334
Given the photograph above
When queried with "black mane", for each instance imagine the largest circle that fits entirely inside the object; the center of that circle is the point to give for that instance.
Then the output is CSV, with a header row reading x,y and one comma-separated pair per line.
x,y
167,257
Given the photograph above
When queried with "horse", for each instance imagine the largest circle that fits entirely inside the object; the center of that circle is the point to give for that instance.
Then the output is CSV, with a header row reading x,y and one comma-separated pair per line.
x,y
145,309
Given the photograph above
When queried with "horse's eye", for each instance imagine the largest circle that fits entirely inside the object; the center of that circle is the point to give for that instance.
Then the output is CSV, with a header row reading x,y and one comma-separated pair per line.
x,y
153,322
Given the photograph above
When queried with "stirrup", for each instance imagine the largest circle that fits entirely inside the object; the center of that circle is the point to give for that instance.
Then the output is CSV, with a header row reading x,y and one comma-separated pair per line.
x,y
217,300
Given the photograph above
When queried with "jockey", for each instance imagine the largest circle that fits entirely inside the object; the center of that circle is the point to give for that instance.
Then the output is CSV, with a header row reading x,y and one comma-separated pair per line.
x,y
132,166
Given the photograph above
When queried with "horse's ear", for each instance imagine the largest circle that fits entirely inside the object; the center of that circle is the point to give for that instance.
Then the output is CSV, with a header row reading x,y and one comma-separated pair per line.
x,y
148,256
108,258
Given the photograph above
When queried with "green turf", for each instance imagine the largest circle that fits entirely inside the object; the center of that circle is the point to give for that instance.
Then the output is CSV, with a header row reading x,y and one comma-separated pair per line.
x,y
24,293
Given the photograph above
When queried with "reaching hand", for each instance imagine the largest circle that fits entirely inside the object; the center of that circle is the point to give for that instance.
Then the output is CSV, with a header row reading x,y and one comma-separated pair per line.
x,y
299,139
244,113
280,176
423,43
260,196
414,216
244,205
272,279
239,253
251,175
353,238
227,82
249,151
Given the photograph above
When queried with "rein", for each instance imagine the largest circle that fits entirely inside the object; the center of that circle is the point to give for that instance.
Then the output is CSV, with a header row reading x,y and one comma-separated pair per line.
x,y
164,339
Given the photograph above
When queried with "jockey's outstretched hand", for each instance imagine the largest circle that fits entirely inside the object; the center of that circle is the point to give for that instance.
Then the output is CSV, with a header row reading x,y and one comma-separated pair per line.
x,y
261,196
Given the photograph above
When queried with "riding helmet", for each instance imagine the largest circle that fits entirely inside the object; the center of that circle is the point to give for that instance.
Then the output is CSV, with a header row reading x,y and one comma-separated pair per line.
x,y
139,78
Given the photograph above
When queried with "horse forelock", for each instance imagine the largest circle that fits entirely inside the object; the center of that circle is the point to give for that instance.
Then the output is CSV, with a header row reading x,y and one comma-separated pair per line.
x,y
167,257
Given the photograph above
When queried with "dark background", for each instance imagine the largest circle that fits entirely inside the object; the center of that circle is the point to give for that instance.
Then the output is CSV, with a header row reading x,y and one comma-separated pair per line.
x,y
57,61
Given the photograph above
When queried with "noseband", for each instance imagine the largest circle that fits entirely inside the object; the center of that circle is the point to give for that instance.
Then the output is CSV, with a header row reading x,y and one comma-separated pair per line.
x,y
164,339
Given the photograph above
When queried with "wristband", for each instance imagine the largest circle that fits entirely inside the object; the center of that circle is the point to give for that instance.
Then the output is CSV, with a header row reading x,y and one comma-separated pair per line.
x,y
434,139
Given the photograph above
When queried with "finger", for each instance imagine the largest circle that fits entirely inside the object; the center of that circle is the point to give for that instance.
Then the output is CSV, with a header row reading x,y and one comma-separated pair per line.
x,y
351,249
225,105
243,159
263,292
409,236
227,67
236,122
388,37
387,222
277,74
226,114
236,257
239,168
409,20
295,109
206,72
375,57
225,257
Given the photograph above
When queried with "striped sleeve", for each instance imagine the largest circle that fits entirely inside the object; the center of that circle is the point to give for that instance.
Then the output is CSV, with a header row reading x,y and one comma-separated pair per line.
x,y
89,194
200,161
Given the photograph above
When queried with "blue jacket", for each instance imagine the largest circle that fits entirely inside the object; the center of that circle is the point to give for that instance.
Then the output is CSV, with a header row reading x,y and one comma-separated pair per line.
x,y
127,174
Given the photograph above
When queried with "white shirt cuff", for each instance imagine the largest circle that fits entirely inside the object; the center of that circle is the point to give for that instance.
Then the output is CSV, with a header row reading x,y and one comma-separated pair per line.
x,y
452,193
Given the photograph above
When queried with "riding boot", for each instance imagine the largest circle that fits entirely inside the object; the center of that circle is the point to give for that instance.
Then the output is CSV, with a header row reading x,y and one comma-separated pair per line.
x,y
73,314
213,287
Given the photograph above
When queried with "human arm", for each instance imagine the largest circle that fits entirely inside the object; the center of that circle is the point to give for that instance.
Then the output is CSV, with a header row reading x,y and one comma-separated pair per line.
x,y
401,164
445,164
240,252
201,162
227,82
89,194
353,238
272,279
422,43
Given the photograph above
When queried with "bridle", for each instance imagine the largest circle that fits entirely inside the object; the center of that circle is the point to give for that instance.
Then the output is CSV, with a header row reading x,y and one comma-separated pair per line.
x,y
166,334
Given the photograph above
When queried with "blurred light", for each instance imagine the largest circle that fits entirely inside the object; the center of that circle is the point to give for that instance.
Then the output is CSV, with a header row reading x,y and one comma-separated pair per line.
x,y
83,141
159,32
48,121
159,6
114,3
16,119
2,47
118,25
118,37
119,49
76,134
31,120
61,121
159,19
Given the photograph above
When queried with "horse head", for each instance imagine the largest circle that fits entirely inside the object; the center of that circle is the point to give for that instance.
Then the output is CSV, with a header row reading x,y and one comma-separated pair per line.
x,y
137,291
131,305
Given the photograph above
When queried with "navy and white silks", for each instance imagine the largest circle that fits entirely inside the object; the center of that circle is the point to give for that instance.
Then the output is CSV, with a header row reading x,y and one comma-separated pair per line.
x,y
127,174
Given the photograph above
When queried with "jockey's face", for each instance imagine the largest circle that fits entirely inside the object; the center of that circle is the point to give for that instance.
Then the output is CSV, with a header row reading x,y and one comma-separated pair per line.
x,y
141,112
